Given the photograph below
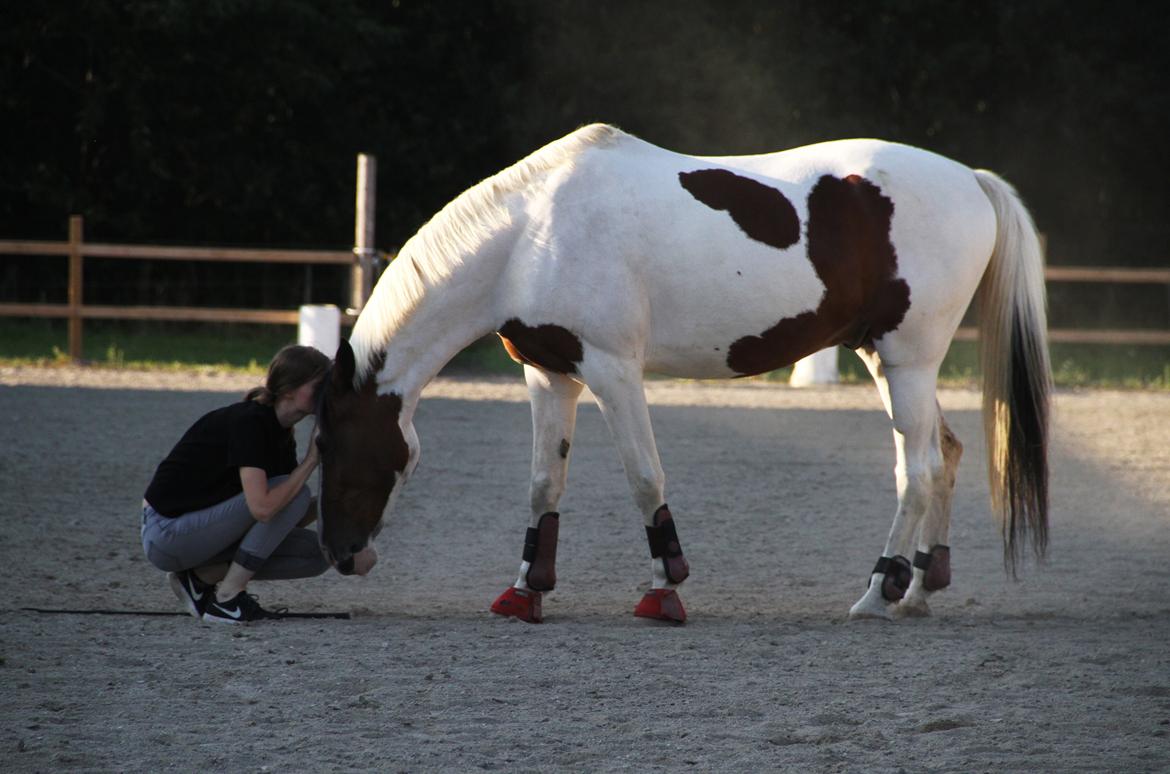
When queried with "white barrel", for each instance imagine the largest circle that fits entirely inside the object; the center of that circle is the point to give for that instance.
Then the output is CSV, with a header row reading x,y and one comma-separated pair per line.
x,y
817,368
320,327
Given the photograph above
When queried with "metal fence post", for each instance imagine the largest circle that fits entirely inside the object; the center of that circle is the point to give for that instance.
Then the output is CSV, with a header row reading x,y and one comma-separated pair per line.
x,y
75,276
362,274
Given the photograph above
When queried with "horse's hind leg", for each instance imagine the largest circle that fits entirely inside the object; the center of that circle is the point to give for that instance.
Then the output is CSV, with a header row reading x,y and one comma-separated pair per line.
x,y
617,385
932,560
909,395
554,415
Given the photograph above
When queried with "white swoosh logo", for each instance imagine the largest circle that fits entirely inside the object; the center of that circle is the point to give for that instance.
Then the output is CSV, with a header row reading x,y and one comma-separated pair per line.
x,y
229,613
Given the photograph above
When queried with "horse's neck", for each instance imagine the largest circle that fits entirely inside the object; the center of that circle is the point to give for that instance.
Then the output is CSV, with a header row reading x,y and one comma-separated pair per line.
x,y
421,315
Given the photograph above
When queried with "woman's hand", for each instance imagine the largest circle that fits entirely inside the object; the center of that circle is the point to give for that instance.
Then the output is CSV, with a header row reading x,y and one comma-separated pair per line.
x,y
265,502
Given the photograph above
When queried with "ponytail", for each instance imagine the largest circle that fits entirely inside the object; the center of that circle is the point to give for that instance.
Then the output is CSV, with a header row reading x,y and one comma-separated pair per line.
x,y
261,395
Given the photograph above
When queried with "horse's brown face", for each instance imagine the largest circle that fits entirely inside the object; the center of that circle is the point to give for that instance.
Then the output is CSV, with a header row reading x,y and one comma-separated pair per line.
x,y
363,455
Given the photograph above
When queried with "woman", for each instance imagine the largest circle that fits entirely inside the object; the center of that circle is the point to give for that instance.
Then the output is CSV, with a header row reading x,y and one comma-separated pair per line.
x,y
230,502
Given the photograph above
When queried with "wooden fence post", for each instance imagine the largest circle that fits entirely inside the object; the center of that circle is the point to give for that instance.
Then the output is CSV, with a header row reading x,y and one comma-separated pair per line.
x,y
362,274
75,276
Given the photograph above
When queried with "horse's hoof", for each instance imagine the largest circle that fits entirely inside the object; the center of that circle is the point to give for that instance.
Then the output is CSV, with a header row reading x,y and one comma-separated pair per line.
x,y
663,605
913,608
519,603
871,606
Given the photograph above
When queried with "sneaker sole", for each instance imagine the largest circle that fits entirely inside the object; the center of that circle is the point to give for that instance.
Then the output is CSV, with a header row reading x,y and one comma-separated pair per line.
x,y
181,593
215,619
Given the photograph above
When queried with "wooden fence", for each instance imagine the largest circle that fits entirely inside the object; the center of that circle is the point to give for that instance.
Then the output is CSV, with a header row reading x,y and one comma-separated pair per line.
x,y
361,277
1099,335
75,310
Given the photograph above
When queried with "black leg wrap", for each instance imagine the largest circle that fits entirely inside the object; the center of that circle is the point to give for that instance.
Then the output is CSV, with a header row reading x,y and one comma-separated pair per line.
x,y
540,551
897,574
663,540
922,560
530,538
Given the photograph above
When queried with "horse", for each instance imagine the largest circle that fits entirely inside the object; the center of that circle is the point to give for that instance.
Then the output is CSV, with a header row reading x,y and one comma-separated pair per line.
x,y
601,257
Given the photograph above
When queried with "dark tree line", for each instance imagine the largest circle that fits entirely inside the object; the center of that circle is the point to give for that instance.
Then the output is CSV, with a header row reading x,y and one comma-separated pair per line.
x,y
237,121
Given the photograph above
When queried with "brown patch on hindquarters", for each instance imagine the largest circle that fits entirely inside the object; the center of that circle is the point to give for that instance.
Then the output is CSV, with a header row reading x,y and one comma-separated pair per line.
x,y
563,449
550,347
760,211
849,247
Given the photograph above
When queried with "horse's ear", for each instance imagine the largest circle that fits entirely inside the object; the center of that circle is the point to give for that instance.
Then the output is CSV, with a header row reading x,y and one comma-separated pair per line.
x,y
343,366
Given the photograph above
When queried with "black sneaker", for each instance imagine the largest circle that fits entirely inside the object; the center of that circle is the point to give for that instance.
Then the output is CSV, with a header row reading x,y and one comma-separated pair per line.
x,y
192,592
241,608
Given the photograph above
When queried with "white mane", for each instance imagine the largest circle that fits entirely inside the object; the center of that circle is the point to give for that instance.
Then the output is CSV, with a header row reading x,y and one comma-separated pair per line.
x,y
455,233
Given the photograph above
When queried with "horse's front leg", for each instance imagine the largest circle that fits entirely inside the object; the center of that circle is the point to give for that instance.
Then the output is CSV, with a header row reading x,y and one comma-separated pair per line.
x,y
554,415
617,385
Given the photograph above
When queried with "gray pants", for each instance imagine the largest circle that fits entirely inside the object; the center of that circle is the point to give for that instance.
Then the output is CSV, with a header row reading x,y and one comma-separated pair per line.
x,y
275,550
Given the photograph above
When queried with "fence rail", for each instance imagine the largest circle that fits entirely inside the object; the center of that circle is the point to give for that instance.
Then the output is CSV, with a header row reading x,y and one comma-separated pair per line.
x,y
76,249
361,277
1105,274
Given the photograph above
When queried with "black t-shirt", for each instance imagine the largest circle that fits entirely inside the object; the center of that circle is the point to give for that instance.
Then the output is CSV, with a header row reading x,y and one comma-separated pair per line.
x,y
204,467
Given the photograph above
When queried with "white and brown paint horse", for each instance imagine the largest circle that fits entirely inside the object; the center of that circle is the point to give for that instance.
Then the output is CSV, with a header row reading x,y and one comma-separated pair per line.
x,y
601,257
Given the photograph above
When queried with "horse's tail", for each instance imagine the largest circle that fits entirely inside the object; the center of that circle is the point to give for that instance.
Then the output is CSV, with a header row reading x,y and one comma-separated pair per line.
x,y
1017,378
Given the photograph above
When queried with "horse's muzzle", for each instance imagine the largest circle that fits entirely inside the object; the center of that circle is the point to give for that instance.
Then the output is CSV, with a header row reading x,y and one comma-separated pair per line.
x,y
360,563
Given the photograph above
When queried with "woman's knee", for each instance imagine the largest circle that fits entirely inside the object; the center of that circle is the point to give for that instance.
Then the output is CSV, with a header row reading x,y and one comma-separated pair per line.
x,y
302,501
297,507
160,558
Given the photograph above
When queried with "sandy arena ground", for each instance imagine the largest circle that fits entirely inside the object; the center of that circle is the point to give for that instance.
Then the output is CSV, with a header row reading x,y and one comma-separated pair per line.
x,y
783,499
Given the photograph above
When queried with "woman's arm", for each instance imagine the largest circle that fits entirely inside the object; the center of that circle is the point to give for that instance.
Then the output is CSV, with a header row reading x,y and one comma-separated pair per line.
x,y
265,502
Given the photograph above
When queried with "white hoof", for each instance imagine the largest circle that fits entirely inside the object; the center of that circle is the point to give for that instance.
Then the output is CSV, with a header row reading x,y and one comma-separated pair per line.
x,y
871,605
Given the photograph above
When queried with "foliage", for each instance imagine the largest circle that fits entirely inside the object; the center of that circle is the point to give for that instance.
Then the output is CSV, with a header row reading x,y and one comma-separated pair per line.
x,y
159,345
237,121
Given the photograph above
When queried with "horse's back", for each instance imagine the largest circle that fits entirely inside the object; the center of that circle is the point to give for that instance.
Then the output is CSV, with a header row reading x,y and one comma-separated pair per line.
x,y
688,255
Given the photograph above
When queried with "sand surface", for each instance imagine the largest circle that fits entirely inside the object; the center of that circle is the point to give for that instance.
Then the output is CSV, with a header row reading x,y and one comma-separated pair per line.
x,y
783,499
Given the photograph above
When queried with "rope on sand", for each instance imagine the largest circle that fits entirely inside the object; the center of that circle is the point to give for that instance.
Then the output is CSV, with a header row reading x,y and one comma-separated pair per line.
x,y
99,611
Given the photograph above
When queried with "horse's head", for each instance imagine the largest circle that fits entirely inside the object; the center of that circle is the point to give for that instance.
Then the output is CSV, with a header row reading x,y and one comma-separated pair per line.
x,y
364,456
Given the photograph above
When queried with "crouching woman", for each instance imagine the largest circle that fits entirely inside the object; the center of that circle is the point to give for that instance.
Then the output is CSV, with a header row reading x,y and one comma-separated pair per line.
x,y
230,504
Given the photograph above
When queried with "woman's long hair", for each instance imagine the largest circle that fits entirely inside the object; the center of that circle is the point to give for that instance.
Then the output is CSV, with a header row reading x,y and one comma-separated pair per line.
x,y
292,367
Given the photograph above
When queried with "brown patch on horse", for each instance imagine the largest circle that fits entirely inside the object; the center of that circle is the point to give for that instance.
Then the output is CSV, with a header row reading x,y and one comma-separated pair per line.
x,y
374,448
362,453
760,211
550,347
849,247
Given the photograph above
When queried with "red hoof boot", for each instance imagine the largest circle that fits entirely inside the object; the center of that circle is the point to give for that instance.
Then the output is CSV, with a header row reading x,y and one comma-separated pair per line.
x,y
662,604
519,603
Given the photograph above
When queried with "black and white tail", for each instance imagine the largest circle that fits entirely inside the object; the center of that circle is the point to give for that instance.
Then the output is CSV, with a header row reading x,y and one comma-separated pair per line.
x,y
1017,378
